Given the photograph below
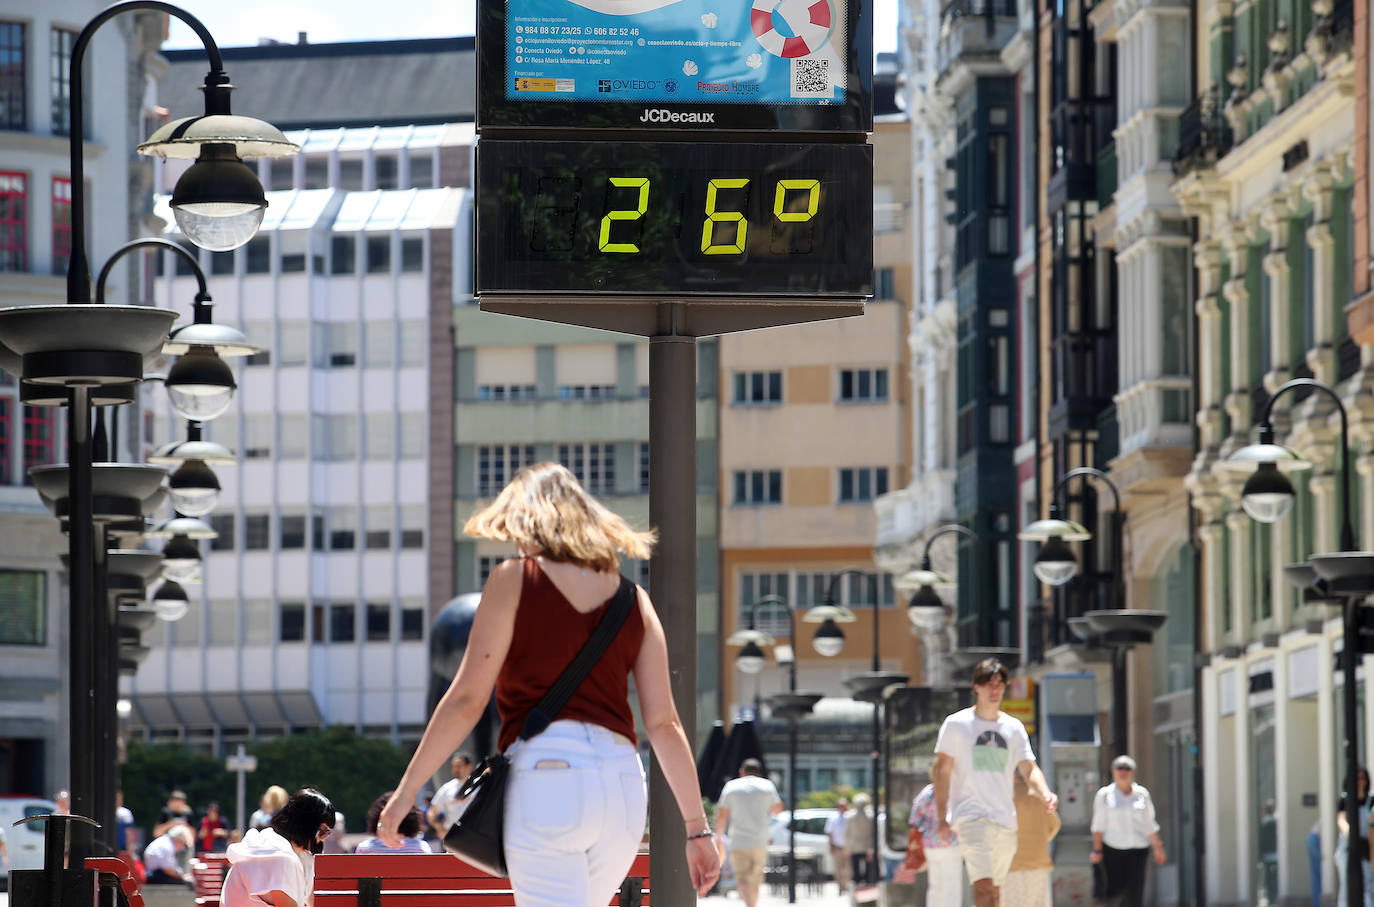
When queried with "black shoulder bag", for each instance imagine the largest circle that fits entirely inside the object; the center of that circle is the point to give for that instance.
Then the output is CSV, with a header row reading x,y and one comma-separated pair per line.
x,y
479,834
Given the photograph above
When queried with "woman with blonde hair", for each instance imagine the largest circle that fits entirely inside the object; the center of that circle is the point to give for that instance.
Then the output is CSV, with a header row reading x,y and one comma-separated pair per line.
x,y
273,799
575,805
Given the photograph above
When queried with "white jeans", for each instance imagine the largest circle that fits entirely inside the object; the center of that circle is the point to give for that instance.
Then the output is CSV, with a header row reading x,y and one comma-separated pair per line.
x,y
944,877
575,811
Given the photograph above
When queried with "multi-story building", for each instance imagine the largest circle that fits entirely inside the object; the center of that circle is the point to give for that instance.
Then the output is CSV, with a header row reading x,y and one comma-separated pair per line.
x,y
1266,166
35,241
336,527
797,492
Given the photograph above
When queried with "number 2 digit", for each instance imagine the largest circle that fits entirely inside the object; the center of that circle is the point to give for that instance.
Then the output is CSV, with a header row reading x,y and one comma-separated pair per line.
x,y
623,182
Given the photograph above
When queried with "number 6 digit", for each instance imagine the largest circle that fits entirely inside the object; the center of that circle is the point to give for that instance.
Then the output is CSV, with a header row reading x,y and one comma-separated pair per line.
x,y
713,217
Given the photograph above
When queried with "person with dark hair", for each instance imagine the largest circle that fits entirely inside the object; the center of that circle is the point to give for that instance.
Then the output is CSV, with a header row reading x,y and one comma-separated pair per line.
x,y
576,799
978,751
275,867
746,803
1359,829
445,807
214,831
409,831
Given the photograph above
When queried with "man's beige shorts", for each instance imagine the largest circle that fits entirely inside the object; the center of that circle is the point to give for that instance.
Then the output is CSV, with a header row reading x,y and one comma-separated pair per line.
x,y
987,849
749,862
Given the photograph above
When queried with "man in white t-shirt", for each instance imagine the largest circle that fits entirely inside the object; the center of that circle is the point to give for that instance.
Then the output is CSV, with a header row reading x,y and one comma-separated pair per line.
x,y
160,857
444,806
978,752
746,804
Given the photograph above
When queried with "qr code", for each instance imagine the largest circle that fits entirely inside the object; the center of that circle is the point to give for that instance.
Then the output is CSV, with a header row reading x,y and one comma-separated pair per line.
x,y
811,78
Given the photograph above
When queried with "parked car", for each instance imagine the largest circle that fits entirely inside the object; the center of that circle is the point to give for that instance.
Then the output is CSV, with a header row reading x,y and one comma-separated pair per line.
x,y
810,835
25,843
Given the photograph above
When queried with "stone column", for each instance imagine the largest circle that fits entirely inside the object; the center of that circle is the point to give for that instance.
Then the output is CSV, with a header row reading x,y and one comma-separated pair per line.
x,y
1321,358
1274,219
1212,536
1236,244
1238,522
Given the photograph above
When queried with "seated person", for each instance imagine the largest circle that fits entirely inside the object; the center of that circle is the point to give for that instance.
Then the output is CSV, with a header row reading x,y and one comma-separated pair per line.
x,y
408,831
160,857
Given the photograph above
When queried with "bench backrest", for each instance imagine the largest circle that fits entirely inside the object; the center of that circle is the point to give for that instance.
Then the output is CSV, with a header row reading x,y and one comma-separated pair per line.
x,y
429,880
208,872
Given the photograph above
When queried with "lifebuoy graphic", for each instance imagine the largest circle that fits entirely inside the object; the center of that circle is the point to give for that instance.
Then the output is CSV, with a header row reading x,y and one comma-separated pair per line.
x,y
805,26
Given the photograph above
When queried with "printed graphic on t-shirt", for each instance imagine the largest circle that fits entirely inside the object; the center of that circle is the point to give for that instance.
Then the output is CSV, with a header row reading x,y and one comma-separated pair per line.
x,y
990,752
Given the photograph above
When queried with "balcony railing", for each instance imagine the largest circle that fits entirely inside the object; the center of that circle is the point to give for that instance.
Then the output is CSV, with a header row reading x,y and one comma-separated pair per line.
x,y
1106,175
991,8
1203,133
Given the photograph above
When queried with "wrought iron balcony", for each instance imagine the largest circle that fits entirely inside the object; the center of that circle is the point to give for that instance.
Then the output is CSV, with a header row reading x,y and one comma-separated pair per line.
x,y
1203,133
1106,175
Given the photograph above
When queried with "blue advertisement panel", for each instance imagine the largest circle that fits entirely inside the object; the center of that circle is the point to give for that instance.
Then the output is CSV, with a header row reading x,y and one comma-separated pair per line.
x,y
692,51
800,65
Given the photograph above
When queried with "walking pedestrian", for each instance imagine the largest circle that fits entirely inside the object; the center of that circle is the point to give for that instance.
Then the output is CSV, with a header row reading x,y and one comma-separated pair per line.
x,y
1314,862
858,840
1028,880
1124,834
575,805
275,867
978,751
746,803
834,831
944,866
1343,828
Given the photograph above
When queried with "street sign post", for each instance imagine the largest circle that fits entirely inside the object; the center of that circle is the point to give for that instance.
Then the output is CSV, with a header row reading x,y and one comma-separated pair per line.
x,y
675,171
241,764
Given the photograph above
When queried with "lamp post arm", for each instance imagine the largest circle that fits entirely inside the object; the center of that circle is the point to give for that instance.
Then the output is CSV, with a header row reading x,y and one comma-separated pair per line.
x,y
78,267
1348,539
153,242
1089,472
792,622
946,530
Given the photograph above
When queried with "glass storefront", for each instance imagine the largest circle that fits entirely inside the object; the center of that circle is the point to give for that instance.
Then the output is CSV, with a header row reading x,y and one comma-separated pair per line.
x,y
1265,880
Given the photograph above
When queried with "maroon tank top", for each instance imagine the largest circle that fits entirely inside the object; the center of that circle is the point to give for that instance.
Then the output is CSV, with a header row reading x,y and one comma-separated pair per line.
x,y
549,632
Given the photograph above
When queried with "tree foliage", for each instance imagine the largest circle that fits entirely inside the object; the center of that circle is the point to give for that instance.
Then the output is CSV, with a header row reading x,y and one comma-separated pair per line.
x,y
349,769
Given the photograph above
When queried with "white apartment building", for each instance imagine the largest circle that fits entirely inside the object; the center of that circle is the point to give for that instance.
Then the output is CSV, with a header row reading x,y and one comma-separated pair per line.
x,y
36,41
336,525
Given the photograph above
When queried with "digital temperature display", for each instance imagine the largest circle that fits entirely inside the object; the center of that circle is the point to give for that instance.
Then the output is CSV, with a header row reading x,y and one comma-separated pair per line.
x,y
665,218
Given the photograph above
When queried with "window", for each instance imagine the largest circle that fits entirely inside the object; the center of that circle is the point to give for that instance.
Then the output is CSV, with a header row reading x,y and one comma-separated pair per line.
x,y
863,484
379,527
378,254
592,464
61,60
260,334
317,623
222,622
863,385
484,567
422,170
222,523
316,173
586,392
414,343
39,438
61,224
257,531
317,533
384,167
498,392
379,343
293,263
412,253
257,622
758,486
884,284
413,526
643,468
257,436
342,622
291,436
292,531
351,174
343,528
335,436
343,251
754,586
14,89
182,267
336,344
221,263
258,255
412,622
14,221
23,608
758,387
379,435
413,437
283,175
293,343
378,623
498,463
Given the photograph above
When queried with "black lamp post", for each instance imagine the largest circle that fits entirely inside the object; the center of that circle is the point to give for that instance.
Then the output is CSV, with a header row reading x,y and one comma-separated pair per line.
x,y
1267,496
926,610
869,687
792,706
84,347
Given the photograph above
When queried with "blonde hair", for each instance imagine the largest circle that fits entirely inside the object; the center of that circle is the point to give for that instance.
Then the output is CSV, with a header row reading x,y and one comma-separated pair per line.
x,y
545,509
276,797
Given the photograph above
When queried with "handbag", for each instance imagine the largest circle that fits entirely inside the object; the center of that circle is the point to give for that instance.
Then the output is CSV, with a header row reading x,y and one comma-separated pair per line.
x,y
915,852
478,835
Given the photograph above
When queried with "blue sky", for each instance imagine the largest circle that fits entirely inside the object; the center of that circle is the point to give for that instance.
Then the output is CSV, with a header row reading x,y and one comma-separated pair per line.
x,y
245,21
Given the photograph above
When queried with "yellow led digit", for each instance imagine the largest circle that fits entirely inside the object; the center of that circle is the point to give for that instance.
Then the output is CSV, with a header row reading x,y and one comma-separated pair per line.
x,y
813,199
713,217
624,182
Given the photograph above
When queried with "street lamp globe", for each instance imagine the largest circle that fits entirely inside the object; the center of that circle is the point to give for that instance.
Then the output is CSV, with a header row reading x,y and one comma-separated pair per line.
x,y
170,601
1267,495
828,639
1055,564
218,202
750,659
194,488
200,385
927,609
181,560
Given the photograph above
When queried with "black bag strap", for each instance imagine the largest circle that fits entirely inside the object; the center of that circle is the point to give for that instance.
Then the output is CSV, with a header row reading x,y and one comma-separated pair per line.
x,y
567,683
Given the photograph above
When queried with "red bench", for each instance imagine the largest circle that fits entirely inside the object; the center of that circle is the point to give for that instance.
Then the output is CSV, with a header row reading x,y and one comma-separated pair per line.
x,y
207,875
115,873
433,880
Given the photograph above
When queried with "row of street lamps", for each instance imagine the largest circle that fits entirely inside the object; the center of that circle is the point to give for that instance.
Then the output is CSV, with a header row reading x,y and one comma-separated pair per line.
x,y
88,354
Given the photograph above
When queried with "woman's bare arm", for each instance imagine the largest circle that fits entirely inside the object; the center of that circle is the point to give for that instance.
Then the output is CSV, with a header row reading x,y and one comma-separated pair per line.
x,y
467,697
